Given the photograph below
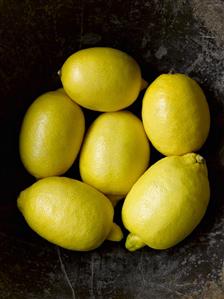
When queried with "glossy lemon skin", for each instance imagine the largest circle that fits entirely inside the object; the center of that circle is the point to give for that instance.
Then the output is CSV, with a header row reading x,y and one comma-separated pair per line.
x,y
115,153
167,202
69,213
51,134
175,114
101,79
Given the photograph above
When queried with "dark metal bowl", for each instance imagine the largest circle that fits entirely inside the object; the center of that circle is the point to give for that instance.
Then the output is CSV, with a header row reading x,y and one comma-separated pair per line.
x,y
35,39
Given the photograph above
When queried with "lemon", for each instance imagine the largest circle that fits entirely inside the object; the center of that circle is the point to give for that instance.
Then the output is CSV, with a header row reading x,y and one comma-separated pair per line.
x,y
167,202
175,114
102,79
51,134
69,213
115,153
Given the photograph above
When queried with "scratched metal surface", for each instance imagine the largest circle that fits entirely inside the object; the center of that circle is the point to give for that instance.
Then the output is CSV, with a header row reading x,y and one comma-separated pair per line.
x,y
35,38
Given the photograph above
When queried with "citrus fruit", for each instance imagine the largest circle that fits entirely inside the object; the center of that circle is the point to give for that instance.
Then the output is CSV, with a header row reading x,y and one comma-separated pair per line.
x,y
51,134
167,202
115,153
102,79
69,213
175,114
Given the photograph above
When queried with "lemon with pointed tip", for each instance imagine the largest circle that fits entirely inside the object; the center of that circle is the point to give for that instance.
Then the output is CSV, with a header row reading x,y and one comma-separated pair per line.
x,y
175,114
51,134
115,153
167,202
102,79
69,213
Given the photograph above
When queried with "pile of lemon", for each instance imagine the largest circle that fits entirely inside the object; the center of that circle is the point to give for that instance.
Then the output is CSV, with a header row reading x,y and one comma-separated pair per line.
x,y
163,202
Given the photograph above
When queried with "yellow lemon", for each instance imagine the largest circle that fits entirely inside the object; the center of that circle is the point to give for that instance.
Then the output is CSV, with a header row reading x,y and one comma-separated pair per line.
x,y
167,202
175,114
115,153
51,134
69,213
102,79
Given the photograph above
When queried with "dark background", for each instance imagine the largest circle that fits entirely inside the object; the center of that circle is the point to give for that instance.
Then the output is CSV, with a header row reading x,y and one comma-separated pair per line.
x,y
35,39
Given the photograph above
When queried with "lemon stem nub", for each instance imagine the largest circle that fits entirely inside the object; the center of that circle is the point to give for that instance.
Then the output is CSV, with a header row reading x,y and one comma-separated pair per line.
x,y
144,84
133,242
115,233
200,159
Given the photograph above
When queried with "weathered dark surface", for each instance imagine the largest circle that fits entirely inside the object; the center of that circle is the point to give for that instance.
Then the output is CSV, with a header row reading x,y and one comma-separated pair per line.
x,y
35,39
